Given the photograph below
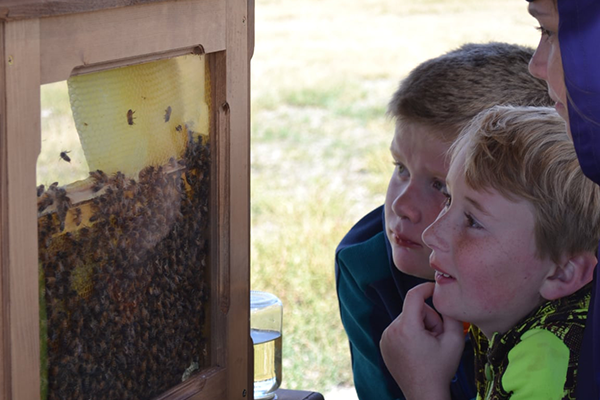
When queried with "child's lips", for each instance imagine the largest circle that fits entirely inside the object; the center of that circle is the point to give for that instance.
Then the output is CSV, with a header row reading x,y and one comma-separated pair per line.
x,y
558,105
403,241
441,276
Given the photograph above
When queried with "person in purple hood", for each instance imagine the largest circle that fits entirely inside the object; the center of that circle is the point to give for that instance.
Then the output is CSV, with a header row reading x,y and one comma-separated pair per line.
x,y
568,59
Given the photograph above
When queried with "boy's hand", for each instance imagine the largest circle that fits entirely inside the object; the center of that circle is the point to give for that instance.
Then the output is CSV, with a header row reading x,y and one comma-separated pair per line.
x,y
422,351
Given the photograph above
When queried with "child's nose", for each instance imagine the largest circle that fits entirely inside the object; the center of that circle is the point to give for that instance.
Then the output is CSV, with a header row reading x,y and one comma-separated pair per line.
x,y
433,236
407,203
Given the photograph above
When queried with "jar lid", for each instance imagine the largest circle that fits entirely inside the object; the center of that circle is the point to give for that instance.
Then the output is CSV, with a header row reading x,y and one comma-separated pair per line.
x,y
260,300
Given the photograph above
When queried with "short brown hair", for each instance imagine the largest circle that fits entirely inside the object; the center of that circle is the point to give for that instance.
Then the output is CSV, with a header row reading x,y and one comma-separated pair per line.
x,y
525,152
446,92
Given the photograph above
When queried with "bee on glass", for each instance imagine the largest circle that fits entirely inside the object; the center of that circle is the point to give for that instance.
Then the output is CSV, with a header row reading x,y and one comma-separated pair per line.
x,y
45,202
130,116
64,156
77,216
168,114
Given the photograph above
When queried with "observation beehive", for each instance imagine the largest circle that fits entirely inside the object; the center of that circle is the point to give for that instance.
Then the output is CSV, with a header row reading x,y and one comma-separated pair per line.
x,y
131,281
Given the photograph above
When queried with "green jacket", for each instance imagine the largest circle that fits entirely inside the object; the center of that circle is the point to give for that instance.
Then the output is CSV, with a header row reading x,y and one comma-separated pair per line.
x,y
371,292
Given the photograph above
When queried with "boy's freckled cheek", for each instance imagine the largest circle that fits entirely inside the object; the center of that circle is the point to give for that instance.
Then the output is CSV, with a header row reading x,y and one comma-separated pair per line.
x,y
485,281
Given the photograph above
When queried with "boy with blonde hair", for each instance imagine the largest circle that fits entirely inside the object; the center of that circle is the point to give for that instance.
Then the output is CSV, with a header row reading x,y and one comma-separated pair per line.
x,y
383,256
513,253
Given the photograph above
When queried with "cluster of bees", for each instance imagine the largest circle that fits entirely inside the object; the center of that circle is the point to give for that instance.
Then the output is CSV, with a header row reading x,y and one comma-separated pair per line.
x,y
126,292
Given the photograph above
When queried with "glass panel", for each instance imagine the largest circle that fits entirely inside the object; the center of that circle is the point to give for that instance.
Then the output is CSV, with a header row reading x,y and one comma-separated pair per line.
x,y
124,230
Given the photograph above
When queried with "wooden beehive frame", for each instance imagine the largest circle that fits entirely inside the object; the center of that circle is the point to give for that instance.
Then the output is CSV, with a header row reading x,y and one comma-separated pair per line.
x,y
43,42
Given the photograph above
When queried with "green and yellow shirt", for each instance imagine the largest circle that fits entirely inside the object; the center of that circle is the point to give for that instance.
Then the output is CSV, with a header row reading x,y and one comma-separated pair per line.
x,y
536,359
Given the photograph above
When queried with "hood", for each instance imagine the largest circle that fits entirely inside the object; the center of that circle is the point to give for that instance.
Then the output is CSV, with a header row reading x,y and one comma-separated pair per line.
x,y
579,36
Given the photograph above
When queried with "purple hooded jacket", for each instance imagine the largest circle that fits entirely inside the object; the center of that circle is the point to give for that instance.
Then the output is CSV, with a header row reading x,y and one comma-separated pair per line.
x,y
579,37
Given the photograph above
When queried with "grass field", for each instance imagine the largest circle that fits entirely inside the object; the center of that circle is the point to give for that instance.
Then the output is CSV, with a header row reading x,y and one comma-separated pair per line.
x,y
322,73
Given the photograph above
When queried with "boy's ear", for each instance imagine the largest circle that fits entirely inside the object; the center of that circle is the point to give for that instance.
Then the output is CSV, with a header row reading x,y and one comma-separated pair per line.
x,y
569,275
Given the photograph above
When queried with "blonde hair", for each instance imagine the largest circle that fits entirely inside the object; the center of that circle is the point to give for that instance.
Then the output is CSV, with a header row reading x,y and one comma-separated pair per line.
x,y
525,152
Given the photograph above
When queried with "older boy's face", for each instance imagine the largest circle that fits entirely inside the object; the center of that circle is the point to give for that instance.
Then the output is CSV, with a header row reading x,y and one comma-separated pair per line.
x,y
546,63
413,198
484,255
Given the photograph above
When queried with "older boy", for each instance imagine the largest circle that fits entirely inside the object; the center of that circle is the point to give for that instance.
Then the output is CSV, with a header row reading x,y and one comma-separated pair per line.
x,y
383,256
513,253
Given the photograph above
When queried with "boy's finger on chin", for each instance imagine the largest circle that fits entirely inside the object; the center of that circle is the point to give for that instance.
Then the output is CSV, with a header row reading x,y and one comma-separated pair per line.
x,y
432,321
417,313
414,303
420,293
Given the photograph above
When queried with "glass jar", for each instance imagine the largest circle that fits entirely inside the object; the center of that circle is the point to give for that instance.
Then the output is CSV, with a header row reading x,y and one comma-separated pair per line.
x,y
266,315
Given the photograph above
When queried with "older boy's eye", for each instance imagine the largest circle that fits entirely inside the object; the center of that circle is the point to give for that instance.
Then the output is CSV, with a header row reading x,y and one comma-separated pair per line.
x,y
400,168
438,185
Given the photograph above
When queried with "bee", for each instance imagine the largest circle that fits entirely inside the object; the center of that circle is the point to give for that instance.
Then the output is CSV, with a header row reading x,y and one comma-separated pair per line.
x,y
100,179
178,128
168,114
45,202
130,116
77,216
64,156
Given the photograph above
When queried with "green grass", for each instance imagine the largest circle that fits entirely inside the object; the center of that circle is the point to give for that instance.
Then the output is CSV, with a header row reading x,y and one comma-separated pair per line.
x,y
322,74
294,267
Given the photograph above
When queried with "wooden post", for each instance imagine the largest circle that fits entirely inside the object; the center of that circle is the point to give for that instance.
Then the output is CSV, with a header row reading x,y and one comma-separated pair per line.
x,y
22,145
43,42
